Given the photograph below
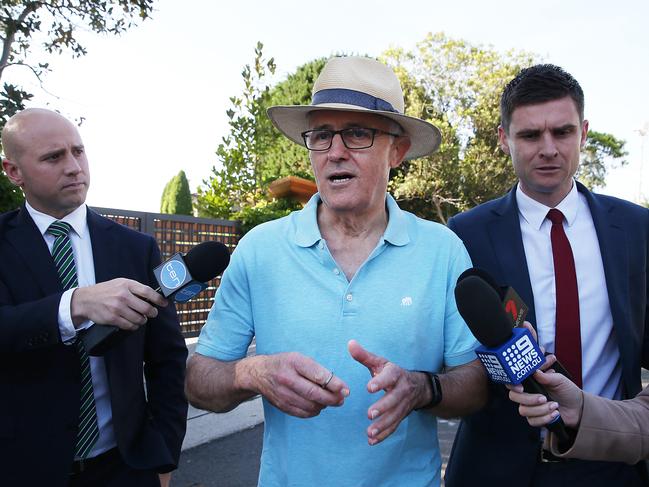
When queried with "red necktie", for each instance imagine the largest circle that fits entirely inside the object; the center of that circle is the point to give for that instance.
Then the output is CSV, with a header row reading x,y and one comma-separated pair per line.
x,y
567,341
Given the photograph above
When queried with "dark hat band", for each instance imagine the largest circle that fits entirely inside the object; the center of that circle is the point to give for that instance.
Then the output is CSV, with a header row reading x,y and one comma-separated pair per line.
x,y
352,97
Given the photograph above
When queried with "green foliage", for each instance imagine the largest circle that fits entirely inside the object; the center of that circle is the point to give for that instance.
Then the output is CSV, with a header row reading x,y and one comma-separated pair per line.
x,y
451,83
11,197
599,149
11,101
283,157
176,196
56,23
254,153
263,211
238,183
457,87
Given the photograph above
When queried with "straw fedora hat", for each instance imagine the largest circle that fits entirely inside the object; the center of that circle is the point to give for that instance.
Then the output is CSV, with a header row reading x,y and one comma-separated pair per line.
x,y
357,84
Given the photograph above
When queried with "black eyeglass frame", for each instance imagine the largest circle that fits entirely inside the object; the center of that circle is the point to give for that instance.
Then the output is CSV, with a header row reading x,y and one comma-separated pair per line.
x,y
342,137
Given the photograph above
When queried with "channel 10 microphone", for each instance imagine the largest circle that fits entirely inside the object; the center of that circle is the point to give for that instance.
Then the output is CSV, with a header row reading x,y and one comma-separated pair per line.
x,y
179,278
510,355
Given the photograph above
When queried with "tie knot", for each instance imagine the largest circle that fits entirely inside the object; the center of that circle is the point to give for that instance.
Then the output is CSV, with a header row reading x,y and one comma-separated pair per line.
x,y
555,216
59,228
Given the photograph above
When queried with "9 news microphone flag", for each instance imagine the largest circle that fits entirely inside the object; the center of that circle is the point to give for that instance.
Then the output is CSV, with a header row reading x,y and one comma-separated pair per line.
x,y
510,356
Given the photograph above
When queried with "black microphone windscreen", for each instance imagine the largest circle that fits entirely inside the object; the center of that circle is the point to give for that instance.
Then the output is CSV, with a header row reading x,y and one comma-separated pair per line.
x,y
482,309
485,276
207,260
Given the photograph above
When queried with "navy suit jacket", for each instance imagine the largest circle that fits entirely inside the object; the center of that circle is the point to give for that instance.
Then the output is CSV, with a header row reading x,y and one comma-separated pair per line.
x,y
40,376
496,446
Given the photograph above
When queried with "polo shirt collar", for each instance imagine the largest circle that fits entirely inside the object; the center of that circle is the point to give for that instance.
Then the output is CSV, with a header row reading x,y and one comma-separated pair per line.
x,y
308,233
535,213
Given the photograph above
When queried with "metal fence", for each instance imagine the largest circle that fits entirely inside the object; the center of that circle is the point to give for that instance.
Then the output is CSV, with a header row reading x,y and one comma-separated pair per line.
x,y
179,233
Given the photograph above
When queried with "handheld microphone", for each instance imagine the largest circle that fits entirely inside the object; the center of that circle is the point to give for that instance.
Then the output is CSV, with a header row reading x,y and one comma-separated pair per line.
x,y
179,278
513,304
510,356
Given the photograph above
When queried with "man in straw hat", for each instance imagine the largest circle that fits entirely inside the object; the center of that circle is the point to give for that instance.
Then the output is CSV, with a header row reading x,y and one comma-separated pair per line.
x,y
349,284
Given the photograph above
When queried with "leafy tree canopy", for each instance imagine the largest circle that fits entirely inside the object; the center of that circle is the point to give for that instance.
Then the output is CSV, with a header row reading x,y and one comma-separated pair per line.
x,y
451,83
252,155
457,86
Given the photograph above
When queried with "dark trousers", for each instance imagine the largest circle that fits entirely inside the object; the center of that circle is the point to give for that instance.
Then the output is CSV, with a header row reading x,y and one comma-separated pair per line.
x,y
577,473
109,470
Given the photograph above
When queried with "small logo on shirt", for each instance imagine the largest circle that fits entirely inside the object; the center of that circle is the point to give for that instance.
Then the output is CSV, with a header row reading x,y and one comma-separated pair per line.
x,y
406,301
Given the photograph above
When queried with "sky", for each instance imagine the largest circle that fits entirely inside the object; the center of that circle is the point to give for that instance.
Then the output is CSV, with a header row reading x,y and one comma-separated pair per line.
x,y
153,100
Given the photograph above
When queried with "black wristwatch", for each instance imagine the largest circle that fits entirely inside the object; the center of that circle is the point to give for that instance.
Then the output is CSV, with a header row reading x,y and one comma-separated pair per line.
x,y
435,388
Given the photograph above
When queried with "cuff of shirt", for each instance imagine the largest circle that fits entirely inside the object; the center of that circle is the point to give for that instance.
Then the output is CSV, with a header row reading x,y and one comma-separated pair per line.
x,y
66,327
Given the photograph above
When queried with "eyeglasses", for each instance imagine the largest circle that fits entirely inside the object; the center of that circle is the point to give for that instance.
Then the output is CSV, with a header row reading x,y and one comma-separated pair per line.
x,y
353,138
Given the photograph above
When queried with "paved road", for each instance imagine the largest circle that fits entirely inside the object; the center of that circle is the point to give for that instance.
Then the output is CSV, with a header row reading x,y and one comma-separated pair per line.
x,y
233,461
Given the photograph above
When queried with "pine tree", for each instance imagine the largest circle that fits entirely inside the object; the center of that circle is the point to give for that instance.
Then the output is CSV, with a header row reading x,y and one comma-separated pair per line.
x,y
176,197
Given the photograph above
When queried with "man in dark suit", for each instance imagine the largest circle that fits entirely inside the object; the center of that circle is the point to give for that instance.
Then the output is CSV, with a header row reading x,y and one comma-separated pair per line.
x,y
66,418
602,286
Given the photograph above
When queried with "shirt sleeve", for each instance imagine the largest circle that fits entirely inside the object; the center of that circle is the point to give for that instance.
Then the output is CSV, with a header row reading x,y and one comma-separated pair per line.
x,y
66,327
229,328
459,342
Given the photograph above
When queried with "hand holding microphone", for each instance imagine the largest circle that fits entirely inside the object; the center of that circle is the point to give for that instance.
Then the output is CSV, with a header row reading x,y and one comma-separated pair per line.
x,y
510,356
567,399
125,305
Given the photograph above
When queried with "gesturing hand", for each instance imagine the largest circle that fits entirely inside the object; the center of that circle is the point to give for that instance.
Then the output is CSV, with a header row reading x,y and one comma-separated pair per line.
x,y
403,391
295,384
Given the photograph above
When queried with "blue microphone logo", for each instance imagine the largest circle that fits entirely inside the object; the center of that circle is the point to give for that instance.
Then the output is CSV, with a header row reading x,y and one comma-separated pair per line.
x,y
513,361
173,274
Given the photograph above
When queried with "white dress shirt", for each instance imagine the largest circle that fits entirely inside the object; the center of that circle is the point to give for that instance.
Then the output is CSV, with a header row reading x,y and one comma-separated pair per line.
x,y
600,354
82,249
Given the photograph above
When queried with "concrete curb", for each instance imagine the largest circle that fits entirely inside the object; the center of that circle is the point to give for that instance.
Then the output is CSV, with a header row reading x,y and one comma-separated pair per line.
x,y
205,426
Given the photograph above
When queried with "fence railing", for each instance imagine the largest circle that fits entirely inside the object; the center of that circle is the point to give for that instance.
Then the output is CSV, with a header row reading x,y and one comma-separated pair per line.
x,y
179,233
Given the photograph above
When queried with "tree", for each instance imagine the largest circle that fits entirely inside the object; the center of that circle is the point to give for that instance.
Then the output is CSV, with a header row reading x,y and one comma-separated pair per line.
x,y
457,86
238,182
251,156
284,157
57,23
599,148
451,83
176,196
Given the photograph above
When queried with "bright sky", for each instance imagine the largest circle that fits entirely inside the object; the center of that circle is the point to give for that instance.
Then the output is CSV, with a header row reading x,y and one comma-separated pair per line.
x,y
154,100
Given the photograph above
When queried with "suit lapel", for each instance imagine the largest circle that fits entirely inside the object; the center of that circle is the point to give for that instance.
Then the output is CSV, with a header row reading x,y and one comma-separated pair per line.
x,y
104,252
505,234
615,260
103,247
30,245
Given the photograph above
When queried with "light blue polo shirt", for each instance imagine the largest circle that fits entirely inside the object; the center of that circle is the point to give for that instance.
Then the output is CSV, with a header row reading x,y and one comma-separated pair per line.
x,y
283,287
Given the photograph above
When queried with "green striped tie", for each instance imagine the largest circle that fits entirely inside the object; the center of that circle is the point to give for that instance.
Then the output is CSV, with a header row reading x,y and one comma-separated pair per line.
x,y
64,260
